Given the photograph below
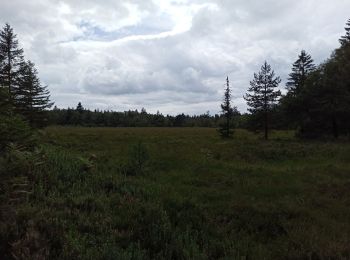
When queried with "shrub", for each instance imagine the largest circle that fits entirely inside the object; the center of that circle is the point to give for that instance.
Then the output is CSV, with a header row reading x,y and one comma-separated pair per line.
x,y
138,158
14,130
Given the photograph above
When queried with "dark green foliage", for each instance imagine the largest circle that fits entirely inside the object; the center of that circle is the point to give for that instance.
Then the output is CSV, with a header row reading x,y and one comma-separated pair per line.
x,y
31,98
138,157
80,108
18,157
263,96
5,105
20,88
300,70
14,130
292,107
227,113
11,58
135,119
344,40
323,105
326,99
19,161
318,99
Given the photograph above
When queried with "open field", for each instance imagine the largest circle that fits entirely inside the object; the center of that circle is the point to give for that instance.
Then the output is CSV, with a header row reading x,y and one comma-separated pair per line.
x,y
184,193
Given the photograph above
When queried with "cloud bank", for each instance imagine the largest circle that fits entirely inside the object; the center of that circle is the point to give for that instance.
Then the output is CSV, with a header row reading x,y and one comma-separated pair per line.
x,y
171,56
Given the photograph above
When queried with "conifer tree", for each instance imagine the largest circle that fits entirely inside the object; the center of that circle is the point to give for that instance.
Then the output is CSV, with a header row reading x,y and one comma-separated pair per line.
x,y
263,95
31,97
322,106
301,68
225,130
346,38
11,60
5,106
80,108
291,104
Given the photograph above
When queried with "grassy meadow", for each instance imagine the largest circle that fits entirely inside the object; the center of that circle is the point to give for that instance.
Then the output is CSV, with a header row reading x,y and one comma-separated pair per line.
x,y
185,193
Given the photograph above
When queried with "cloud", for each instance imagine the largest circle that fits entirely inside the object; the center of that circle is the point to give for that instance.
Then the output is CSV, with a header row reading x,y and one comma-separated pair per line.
x,y
172,56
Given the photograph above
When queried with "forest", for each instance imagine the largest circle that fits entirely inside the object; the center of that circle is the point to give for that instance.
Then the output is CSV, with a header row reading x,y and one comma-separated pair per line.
x,y
270,183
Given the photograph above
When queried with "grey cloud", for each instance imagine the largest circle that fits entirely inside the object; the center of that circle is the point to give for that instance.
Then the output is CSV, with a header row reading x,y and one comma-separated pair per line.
x,y
80,53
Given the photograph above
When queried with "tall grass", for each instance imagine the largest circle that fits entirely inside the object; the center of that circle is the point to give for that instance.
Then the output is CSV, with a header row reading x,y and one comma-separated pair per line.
x,y
198,196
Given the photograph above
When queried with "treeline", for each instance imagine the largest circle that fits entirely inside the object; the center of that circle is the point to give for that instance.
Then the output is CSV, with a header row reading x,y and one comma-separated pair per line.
x,y
318,99
83,117
317,102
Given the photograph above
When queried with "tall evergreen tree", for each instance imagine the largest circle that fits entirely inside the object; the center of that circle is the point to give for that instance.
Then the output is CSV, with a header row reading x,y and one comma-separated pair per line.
x,y
227,111
301,68
263,95
325,98
291,105
346,38
31,97
12,58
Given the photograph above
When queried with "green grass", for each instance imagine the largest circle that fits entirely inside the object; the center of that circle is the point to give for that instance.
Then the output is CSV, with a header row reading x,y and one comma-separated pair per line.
x,y
198,196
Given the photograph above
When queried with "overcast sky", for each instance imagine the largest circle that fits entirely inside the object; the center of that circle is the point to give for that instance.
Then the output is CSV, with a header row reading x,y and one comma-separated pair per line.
x,y
167,55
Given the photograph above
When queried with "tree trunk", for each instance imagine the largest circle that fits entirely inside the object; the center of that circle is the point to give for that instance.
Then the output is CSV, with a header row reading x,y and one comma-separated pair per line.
x,y
265,111
9,76
228,125
266,126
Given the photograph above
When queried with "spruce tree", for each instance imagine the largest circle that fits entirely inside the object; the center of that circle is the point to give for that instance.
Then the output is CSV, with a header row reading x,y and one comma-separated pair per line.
x,y
263,95
12,58
291,104
322,108
31,97
80,108
301,68
227,112
346,38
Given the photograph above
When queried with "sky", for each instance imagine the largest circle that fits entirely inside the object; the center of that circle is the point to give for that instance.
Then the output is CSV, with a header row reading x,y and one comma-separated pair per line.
x,y
171,56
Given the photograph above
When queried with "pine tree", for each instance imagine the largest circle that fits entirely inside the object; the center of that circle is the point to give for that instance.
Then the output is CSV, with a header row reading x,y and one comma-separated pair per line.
x,y
263,95
225,130
80,108
301,68
346,38
31,97
12,58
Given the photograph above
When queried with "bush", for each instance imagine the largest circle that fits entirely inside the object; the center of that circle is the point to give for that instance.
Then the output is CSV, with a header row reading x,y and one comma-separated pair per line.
x,y
14,130
138,157
18,161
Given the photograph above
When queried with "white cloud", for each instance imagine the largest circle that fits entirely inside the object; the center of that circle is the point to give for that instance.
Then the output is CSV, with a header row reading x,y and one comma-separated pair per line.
x,y
171,56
